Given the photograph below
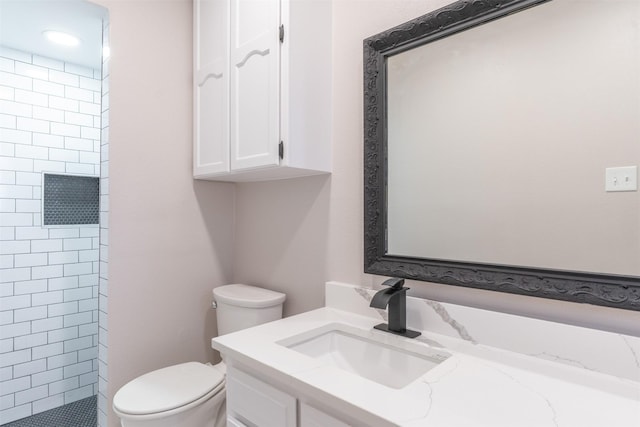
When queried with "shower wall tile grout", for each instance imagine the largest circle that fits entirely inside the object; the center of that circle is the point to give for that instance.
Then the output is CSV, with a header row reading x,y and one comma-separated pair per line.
x,y
50,120
102,403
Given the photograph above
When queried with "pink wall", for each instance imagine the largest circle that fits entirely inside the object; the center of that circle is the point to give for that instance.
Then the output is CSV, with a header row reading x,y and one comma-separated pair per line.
x,y
170,237
284,245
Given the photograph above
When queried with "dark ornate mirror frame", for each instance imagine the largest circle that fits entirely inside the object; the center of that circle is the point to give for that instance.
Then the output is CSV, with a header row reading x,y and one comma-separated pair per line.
x,y
593,288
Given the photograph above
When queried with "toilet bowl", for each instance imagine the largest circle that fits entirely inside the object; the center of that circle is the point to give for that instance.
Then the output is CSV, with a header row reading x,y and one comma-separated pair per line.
x,y
193,394
190,394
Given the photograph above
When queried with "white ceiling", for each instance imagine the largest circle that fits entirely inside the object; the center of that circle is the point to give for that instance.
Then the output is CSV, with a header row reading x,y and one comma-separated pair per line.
x,y
23,21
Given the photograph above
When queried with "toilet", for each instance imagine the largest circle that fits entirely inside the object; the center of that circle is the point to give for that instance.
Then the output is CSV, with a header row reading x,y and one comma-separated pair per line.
x,y
192,394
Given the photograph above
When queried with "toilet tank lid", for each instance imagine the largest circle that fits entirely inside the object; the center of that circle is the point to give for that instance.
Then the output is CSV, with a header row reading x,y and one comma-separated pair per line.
x,y
167,388
247,296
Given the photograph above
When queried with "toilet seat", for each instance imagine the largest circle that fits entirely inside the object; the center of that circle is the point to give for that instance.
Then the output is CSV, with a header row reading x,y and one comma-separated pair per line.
x,y
168,390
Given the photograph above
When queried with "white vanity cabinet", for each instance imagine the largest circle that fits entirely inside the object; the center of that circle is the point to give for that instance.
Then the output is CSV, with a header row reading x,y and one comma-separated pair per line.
x,y
255,403
312,417
262,89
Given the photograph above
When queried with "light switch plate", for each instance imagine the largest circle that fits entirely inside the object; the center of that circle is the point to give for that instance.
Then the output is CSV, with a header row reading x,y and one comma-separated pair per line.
x,y
624,178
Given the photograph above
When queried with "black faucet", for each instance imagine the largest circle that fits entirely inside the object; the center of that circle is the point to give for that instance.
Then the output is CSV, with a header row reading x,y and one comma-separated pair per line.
x,y
396,298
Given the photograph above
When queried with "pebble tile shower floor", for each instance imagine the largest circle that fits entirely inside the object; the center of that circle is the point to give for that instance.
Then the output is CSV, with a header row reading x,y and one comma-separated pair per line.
x,y
82,413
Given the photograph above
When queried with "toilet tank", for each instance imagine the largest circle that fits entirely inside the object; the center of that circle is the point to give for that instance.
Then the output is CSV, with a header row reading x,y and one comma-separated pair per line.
x,y
242,306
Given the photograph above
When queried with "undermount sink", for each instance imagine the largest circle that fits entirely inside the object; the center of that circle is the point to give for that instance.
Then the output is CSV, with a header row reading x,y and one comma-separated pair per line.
x,y
356,351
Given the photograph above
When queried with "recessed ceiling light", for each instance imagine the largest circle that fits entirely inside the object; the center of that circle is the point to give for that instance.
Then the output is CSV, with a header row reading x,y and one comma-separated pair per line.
x,y
59,37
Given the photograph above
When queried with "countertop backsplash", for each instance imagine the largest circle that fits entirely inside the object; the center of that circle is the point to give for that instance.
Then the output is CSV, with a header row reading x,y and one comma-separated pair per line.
x,y
591,349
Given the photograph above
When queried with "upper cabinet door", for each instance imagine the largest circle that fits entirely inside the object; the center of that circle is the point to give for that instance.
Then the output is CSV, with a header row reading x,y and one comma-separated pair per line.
x,y
255,83
211,83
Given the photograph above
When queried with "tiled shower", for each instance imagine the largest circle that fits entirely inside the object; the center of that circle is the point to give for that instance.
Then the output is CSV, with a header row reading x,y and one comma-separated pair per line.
x,y
50,121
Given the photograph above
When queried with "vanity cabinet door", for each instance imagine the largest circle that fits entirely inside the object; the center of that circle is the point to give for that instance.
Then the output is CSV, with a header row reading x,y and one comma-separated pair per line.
x,y
211,87
231,422
255,83
254,402
311,417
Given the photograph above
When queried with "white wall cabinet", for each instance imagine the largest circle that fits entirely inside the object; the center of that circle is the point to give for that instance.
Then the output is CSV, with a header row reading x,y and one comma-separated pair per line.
x,y
211,87
253,402
262,89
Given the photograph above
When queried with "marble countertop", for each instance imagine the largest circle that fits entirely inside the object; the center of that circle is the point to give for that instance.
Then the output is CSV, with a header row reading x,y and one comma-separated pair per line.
x,y
478,385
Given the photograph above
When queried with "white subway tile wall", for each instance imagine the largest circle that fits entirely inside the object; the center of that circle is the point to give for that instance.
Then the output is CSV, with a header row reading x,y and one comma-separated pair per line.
x,y
49,282
103,237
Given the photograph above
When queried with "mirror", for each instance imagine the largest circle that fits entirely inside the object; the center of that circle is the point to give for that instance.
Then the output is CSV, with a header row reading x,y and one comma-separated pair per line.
x,y
487,143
